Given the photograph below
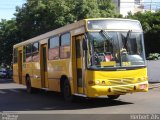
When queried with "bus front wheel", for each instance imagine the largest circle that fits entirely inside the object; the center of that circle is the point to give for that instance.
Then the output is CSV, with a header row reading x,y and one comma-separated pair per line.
x,y
113,97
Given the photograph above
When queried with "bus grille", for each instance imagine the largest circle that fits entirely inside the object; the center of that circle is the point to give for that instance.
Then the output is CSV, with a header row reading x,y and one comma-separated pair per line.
x,y
122,89
123,81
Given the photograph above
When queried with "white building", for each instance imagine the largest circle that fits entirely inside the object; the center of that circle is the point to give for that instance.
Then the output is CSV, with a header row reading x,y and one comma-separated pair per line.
x,y
125,6
139,6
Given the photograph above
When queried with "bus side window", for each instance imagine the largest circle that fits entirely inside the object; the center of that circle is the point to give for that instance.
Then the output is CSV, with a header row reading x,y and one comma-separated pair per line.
x,y
29,53
15,55
24,54
54,48
35,52
65,46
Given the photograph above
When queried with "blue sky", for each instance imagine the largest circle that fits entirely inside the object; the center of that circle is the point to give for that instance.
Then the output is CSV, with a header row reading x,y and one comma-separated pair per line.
x,y
7,7
155,4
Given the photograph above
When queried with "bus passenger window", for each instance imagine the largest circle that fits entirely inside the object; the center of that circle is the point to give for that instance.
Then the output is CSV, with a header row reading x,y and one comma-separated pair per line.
x,y
54,48
29,53
65,46
15,55
24,54
35,52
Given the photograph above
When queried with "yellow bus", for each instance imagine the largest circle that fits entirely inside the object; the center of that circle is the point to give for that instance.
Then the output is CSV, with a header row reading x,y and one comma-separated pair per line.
x,y
94,58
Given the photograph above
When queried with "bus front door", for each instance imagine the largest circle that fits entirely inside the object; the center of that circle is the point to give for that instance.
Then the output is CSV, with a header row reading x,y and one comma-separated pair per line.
x,y
20,66
43,62
79,65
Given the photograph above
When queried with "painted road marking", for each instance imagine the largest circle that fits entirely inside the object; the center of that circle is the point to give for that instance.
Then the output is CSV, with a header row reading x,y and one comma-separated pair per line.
x,y
2,92
13,90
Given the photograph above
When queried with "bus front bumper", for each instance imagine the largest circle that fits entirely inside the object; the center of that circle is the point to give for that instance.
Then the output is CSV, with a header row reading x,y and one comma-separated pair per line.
x,y
101,91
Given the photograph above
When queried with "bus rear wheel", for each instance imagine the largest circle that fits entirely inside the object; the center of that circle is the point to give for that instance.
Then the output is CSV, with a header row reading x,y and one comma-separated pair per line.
x,y
113,97
29,87
68,97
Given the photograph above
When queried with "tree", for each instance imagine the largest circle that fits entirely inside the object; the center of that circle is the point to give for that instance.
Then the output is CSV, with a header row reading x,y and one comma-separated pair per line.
x,y
151,26
107,8
40,16
8,37
36,17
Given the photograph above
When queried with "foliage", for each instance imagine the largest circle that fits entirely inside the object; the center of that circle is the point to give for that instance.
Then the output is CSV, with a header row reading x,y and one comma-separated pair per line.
x,y
8,37
154,56
40,16
36,17
151,26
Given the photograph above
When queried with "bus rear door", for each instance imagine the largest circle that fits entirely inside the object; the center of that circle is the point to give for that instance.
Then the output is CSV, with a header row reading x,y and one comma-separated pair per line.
x,y
20,66
43,62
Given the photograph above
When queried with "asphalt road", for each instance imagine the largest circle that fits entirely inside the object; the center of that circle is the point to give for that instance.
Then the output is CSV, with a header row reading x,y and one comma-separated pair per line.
x,y
13,97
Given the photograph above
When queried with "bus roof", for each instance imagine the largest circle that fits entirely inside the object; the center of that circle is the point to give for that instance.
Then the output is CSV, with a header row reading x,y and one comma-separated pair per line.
x,y
110,19
63,29
66,28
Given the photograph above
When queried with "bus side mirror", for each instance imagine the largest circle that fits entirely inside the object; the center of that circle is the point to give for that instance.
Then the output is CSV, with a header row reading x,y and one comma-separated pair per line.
x,y
84,44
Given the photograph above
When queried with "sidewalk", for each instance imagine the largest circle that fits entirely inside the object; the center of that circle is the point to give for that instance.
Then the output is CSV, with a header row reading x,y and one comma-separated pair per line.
x,y
154,85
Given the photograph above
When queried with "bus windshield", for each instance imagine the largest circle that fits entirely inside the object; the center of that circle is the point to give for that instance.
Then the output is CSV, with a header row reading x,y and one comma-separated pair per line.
x,y
107,49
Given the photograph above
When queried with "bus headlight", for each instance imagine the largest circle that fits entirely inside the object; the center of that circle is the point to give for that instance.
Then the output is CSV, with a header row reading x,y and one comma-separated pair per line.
x,y
97,82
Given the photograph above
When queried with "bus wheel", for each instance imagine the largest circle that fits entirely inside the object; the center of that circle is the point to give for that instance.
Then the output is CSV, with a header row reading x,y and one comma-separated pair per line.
x,y
29,88
68,97
112,97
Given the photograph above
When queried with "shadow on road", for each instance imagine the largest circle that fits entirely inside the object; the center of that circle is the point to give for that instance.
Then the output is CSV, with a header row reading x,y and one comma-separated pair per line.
x,y
42,100
4,81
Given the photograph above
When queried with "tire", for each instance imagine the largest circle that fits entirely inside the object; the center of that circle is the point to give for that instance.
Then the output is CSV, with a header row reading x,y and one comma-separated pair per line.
x,y
29,87
68,97
113,97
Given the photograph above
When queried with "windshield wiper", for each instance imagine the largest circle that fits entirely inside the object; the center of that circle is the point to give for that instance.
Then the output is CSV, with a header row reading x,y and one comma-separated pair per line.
x,y
127,38
128,35
105,35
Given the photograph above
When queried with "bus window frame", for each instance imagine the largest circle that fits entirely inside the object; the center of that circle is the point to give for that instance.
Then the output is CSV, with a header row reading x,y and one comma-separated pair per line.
x,y
15,55
30,54
58,57
35,52
24,53
62,46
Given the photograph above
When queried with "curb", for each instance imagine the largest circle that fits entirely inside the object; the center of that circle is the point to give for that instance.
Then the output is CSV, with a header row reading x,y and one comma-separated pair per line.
x,y
154,85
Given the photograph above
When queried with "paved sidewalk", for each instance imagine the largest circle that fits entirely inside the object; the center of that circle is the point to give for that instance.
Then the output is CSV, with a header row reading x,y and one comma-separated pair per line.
x,y
154,85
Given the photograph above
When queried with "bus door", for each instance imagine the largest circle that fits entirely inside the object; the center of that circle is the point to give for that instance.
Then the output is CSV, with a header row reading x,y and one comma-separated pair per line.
x,y
20,66
43,62
79,65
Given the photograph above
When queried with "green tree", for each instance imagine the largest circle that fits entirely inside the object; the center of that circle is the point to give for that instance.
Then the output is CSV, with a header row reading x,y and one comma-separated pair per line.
x,y
36,17
107,8
151,26
8,37
40,16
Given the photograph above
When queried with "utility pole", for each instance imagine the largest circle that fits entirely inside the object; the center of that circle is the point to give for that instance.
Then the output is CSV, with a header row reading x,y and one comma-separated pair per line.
x,y
151,5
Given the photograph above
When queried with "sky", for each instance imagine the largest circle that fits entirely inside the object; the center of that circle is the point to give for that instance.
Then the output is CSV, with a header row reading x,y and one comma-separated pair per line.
x,y
7,7
155,4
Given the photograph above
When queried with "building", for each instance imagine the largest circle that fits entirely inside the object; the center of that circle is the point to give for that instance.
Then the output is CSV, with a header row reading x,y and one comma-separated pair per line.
x,y
152,5
125,6
139,6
